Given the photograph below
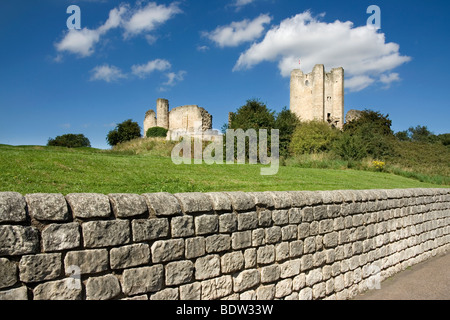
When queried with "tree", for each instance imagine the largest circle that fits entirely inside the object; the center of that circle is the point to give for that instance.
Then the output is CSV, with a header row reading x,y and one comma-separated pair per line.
x,y
286,121
350,147
403,136
125,131
312,136
157,132
421,134
70,141
253,115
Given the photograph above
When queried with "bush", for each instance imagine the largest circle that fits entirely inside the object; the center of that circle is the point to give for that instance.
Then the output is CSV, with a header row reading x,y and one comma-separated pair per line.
x,y
70,141
286,122
156,132
311,137
350,147
253,115
125,131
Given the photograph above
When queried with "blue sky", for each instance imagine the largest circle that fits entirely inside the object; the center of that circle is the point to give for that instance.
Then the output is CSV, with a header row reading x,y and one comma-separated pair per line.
x,y
215,54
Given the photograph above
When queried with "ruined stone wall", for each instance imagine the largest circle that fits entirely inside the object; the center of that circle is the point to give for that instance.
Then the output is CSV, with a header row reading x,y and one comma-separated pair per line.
x,y
224,245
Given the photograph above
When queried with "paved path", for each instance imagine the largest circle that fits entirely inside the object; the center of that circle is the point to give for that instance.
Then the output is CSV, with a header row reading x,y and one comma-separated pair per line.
x,y
428,280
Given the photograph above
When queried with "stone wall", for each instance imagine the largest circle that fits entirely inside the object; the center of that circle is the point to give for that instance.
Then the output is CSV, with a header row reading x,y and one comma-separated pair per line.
x,y
205,246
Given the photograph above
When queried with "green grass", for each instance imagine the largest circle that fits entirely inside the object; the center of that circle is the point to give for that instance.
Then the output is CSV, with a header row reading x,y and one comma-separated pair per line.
x,y
33,169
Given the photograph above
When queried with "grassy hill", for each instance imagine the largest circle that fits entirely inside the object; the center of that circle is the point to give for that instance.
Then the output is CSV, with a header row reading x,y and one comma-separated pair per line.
x,y
34,169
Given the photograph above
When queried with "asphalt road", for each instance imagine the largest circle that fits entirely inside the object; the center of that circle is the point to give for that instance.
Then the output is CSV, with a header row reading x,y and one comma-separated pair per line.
x,y
428,280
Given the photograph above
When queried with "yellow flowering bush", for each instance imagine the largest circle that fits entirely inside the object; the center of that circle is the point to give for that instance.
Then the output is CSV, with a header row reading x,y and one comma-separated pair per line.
x,y
379,165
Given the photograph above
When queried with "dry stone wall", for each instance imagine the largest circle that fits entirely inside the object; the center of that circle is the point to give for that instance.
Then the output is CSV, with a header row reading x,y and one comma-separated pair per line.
x,y
207,246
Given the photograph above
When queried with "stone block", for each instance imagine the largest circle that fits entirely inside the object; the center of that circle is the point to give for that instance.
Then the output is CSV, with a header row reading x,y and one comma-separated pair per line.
x,y
86,261
12,207
280,217
217,288
273,234
265,293
97,234
241,240
331,240
194,202
295,216
303,230
220,201
182,226
314,276
40,267
298,198
129,256
167,250
232,262
283,288
241,201
282,251
8,270
58,237
250,258
18,240
127,205
150,229
258,237
289,232
290,268
102,288
57,290
206,224
246,279
47,206
89,205
320,212
295,248
20,293
262,199
227,223
179,272
207,267
195,247
191,291
247,220
270,273
142,280
265,218
265,255
218,243
166,294
162,204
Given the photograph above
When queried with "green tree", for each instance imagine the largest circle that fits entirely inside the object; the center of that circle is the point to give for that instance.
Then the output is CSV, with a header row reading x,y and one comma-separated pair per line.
x,y
422,134
125,131
312,136
403,136
253,115
70,141
286,121
350,147
157,132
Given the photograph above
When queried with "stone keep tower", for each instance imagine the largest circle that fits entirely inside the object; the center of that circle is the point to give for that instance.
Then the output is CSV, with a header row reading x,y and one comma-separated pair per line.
x,y
318,95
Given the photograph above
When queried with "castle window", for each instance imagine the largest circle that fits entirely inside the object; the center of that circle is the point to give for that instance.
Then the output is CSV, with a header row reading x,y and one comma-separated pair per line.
x,y
307,83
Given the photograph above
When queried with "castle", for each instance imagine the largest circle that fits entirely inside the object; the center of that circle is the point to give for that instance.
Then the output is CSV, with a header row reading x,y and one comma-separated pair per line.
x,y
318,95
190,119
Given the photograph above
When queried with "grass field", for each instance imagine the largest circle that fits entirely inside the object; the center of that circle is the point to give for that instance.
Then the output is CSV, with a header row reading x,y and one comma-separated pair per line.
x,y
35,169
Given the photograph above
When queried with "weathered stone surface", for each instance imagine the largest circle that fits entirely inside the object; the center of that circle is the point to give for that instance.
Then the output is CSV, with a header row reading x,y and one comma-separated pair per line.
x,y
258,237
150,229
247,220
283,288
245,280
142,280
165,294
266,254
195,247
262,199
127,205
18,240
282,251
265,218
20,293
102,288
57,237
57,290
86,261
129,256
281,199
182,226
191,291
227,223
207,267
47,206
241,201
40,267
179,272
290,268
218,243
219,201
265,292
289,232
250,256
270,273
206,224
89,205
273,234
167,250
232,262
217,288
194,202
12,207
162,204
8,271
241,240
97,234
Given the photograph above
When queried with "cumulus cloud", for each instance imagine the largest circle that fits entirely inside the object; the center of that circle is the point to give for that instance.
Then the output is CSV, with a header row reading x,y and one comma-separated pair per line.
x,y
143,70
107,73
387,79
134,21
362,51
239,32
173,78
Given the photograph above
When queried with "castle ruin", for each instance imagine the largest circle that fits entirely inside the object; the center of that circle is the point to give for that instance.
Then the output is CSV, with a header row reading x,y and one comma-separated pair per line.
x,y
318,95
190,119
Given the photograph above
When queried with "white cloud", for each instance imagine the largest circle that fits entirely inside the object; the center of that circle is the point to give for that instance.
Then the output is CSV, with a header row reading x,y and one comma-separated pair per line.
x,y
107,73
202,48
145,19
239,4
145,69
173,78
389,78
239,32
361,51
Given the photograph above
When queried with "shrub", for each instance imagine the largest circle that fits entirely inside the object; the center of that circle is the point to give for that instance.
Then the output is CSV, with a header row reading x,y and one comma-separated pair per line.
x,y
125,131
286,121
70,141
156,132
312,137
350,147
